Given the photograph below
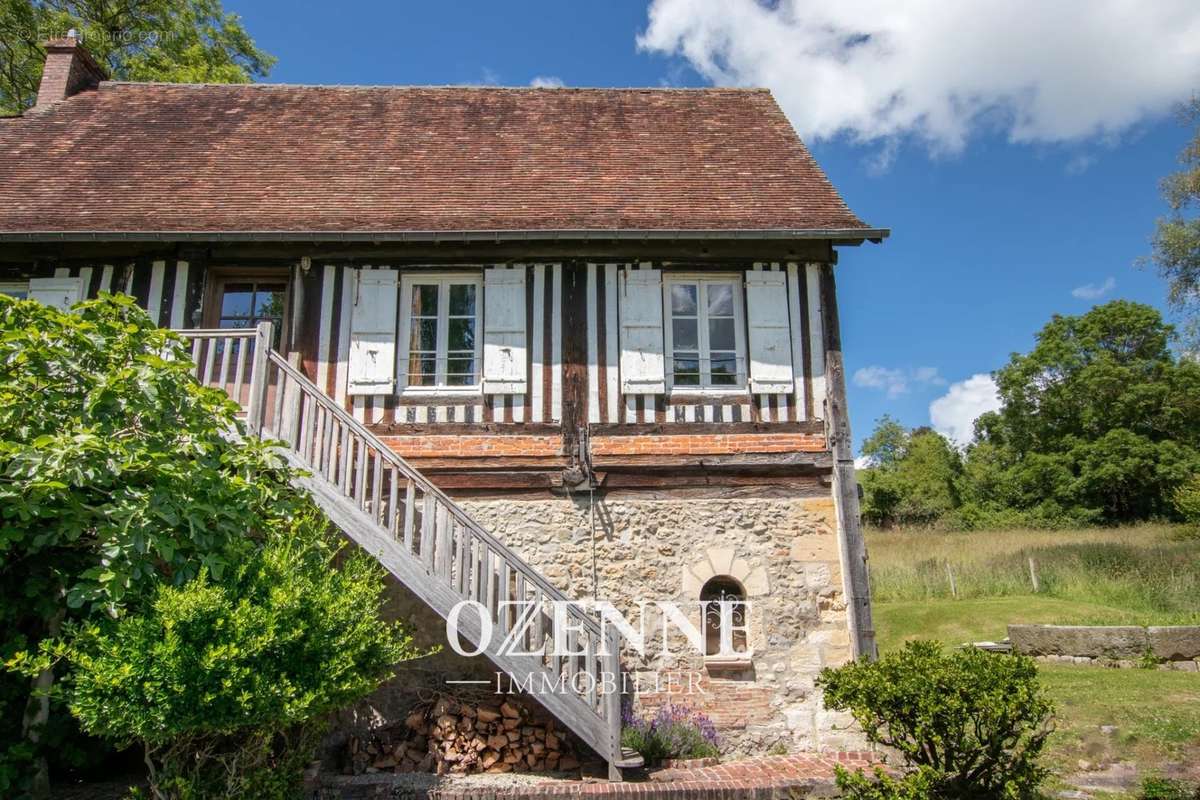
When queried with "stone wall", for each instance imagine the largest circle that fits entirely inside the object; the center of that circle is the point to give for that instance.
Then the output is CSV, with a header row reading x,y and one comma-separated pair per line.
x,y
1120,645
784,551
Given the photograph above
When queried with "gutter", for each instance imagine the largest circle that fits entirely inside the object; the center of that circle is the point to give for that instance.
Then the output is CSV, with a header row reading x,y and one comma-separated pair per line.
x,y
847,236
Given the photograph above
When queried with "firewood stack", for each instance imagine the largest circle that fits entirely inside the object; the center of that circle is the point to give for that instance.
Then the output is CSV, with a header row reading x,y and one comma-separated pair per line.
x,y
449,736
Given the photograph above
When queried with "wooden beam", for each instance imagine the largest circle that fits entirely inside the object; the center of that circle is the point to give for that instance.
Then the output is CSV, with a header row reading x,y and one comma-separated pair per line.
x,y
856,577
812,461
464,429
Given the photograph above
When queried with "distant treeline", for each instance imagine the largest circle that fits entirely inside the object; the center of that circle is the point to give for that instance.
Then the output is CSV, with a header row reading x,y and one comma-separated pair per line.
x,y
1099,424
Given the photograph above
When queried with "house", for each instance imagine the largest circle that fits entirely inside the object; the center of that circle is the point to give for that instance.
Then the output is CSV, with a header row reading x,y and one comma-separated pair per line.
x,y
531,344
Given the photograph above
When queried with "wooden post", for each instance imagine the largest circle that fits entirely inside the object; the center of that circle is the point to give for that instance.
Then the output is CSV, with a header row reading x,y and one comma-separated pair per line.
x,y
953,587
612,699
290,425
855,578
1033,574
258,379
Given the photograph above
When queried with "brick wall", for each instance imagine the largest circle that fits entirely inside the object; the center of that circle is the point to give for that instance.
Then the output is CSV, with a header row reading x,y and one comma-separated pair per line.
x,y
446,446
707,444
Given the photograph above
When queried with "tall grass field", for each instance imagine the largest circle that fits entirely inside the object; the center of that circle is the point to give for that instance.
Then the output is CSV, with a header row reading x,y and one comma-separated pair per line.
x,y
1141,575
1146,574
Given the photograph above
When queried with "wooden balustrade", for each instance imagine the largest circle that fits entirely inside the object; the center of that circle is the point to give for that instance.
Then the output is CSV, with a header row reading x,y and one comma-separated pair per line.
x,y
429,539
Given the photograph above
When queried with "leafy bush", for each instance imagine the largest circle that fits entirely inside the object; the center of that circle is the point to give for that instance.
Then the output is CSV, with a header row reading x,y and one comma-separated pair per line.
x,y
1155,788
970,724
1187,500
221,682
672,732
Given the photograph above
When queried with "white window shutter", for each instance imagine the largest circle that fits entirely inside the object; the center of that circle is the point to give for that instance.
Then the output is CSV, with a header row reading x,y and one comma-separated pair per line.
x,y
770,336
372,367
61,293
643,367
504,331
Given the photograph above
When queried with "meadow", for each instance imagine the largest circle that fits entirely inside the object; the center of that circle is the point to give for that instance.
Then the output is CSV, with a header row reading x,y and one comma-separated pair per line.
x,y
1138,575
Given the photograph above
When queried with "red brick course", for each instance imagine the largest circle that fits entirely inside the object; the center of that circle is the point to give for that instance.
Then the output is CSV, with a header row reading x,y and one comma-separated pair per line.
x,y
708,444
450,446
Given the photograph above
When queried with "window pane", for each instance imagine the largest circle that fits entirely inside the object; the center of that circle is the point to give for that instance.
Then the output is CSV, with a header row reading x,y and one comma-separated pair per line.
x,y
687,369
237,300
460,371
720,334
724,369
424,335
234,323
462,300
720,299
425,300
684,334
422,369
683,298
462,334
269,300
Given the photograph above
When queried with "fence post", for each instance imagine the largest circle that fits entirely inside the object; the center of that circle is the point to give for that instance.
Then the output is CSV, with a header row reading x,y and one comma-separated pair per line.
x,y
258,379
1033,574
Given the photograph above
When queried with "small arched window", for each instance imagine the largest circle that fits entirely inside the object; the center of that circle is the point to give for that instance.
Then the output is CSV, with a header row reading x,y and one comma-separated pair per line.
x,y
720,592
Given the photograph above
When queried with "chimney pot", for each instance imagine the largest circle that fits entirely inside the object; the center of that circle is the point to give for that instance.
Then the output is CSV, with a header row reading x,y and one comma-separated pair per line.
x,y
69,70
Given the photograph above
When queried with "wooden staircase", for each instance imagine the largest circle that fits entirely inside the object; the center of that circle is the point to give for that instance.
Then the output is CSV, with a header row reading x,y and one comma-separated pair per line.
x,y
421,536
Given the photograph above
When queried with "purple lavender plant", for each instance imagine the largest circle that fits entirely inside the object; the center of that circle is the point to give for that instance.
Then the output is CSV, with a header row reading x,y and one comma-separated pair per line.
x,y
674,731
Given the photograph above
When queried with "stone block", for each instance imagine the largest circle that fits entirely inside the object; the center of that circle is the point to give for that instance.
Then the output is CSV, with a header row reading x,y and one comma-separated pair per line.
x,y
1078,640
1175,643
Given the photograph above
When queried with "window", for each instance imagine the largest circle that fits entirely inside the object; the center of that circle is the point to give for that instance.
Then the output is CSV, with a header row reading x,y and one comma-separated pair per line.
x,y
441,319
724,591
240,300
19,290
705,342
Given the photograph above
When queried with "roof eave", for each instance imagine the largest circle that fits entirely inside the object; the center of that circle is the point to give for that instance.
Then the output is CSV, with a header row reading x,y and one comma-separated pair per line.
x,y
841,236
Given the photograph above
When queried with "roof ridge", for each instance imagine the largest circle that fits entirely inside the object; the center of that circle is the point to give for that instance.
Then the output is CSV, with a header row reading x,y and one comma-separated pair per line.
x,y
448,86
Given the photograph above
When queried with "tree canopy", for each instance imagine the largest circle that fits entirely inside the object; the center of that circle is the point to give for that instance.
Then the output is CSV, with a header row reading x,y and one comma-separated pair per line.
x,y
174,41
1176,242
1099,422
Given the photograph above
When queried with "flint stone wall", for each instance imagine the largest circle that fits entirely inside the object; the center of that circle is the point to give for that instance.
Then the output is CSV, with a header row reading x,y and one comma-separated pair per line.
x,y
1125,642
785,553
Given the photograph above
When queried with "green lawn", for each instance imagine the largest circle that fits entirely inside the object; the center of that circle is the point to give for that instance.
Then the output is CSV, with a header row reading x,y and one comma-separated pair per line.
x,y
1132,576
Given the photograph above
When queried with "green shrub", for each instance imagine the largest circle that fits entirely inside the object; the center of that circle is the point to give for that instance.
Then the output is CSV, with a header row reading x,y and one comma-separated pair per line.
x,y
1155,788
117,474
1187,500
971,724
223,682
919,784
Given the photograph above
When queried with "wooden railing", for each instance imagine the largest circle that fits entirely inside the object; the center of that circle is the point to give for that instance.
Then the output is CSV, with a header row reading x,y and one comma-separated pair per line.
x,y
423,537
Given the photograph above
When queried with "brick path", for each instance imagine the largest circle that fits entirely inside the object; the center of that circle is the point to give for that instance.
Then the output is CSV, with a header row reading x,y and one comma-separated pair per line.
x,y
766,778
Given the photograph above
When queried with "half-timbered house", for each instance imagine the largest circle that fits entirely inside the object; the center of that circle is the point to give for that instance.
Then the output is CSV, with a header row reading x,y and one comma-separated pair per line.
x,y
528,343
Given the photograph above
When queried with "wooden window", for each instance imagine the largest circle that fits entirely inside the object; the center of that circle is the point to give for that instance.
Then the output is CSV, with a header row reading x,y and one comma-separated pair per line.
x,y
243,301
704,333
441,350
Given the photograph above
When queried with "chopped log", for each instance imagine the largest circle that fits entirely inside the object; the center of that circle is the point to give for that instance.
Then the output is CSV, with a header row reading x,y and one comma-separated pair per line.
x,y
509,710
488,714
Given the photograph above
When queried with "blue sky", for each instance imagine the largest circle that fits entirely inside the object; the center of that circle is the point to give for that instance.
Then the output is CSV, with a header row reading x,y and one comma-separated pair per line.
x,y
1002,213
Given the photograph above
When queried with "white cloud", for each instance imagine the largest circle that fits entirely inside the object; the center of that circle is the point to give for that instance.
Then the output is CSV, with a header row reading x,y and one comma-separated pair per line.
x,y
953,414
864,462
1092,291
879,70
896,381
547,82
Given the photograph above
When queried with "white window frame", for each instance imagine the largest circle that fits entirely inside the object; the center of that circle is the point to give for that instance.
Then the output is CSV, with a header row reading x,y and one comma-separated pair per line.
x,y
443,279
739,326
14,286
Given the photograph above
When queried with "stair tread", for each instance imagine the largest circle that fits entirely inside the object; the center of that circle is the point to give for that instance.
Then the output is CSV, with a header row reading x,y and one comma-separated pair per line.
x,y
630,759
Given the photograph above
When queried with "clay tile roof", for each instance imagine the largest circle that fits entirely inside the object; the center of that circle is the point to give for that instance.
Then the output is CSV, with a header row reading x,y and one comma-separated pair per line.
x,y
134,157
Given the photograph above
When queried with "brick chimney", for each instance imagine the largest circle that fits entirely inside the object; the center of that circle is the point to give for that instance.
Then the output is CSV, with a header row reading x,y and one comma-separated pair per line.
x,y
69,69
